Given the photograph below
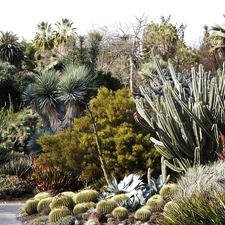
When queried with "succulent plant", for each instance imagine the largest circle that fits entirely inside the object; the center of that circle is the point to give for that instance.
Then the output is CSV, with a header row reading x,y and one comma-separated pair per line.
x,y
58,213
119,197
43,206
42,195
68,193
86,196
156,202
89,205
30,206
142,214
78,208
186,115
168,190
120,212
62,200
169,205
106,206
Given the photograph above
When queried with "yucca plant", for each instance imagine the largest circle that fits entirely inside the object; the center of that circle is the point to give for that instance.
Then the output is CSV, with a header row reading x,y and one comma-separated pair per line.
x,y
185,115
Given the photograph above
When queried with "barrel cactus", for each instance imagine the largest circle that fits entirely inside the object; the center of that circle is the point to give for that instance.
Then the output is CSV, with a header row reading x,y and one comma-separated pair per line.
x,y
42,195
43,206
120,212
86,196
142,214
78,208
168,190
62,200
58,213
89,205
30,206
120,197
156,202
106,206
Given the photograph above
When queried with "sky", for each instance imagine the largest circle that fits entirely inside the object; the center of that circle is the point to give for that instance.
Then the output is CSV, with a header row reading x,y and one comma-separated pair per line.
x,y
22,16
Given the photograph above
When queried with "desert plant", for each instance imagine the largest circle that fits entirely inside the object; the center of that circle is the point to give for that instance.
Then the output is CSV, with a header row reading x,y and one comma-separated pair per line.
x,y
185,112
43,206
168,190
30,206
120,197
156,203
142,214
86,196
42,195
62,200
120,213
106,206
58,213
78,208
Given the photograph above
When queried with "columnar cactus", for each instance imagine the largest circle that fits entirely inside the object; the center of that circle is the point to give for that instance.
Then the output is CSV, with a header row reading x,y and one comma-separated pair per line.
x,y
185,115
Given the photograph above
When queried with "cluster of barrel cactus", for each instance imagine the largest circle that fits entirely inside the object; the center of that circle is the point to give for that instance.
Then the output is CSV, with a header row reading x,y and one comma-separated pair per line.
x,y
184,112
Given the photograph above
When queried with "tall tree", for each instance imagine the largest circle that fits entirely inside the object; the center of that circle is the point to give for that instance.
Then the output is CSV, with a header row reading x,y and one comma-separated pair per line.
x,y
65,32
10,49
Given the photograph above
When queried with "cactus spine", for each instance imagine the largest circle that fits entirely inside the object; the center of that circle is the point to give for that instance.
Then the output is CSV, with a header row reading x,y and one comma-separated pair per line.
x,y
106,206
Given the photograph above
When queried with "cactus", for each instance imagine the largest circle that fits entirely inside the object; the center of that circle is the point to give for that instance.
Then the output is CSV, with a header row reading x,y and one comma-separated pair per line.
x,y
86,196
78,208
69,193
168,206
106,206
89,205
62,200
186,115
156,202
43,206
58,213
168,190
120,212
117,198
42,195
30,206
142,214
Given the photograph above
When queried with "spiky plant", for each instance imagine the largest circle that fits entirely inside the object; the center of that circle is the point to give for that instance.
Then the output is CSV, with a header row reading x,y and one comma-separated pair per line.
x,y
120,213
30,206
58,213
106,206
62,200
185,115
156,203
43,206
142,214
86,196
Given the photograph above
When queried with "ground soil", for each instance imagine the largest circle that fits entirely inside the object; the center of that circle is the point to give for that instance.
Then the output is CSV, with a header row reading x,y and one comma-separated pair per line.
x,y
23,217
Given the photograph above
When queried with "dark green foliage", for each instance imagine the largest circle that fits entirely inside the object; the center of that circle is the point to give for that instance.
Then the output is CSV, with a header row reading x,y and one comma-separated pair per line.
x,y
19,164
12,186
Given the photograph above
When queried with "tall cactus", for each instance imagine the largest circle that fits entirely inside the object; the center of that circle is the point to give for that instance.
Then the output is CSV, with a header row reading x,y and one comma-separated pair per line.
x,y
185,114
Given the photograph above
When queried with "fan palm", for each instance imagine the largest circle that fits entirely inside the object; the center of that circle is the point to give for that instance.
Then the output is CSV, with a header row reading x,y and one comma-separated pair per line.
x,y
10,49
218,37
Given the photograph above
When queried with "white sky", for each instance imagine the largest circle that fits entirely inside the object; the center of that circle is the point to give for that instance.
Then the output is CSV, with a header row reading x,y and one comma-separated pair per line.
x,y
22,16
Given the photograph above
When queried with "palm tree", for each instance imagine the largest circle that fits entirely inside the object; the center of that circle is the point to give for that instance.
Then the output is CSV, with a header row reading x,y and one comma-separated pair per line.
x,y
44,41
10,49
63,34
217,38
